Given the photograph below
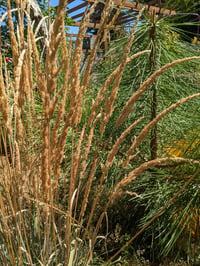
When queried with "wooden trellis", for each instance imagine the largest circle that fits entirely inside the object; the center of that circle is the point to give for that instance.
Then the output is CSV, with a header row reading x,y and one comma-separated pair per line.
x,y
126,16
130,7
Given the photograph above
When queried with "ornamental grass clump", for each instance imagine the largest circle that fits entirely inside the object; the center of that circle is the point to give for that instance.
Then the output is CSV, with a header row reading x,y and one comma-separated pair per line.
x,y
56,145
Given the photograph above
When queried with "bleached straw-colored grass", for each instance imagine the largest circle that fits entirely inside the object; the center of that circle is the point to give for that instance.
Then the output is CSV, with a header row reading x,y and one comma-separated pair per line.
x,y
52,141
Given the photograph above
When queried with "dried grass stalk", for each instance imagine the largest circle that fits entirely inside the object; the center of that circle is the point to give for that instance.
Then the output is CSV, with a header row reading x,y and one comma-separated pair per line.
x,y
110,101
29,59
75,163
18,71
107,83
6,229
87,148
128,107
127,179
41,80
18,168
52,48
148,127
64,89
4,102
14,45
111,23
21,25
102,179
117,144
45,166
59,153
102,25
76,61
87,191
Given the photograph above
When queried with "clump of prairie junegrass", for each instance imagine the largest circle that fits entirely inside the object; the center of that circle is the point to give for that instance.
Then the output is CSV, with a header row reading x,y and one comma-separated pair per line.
x,y
54,145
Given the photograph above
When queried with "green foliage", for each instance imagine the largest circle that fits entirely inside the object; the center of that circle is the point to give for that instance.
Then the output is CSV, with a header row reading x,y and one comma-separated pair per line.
x,y
188,6
156,187
174,84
